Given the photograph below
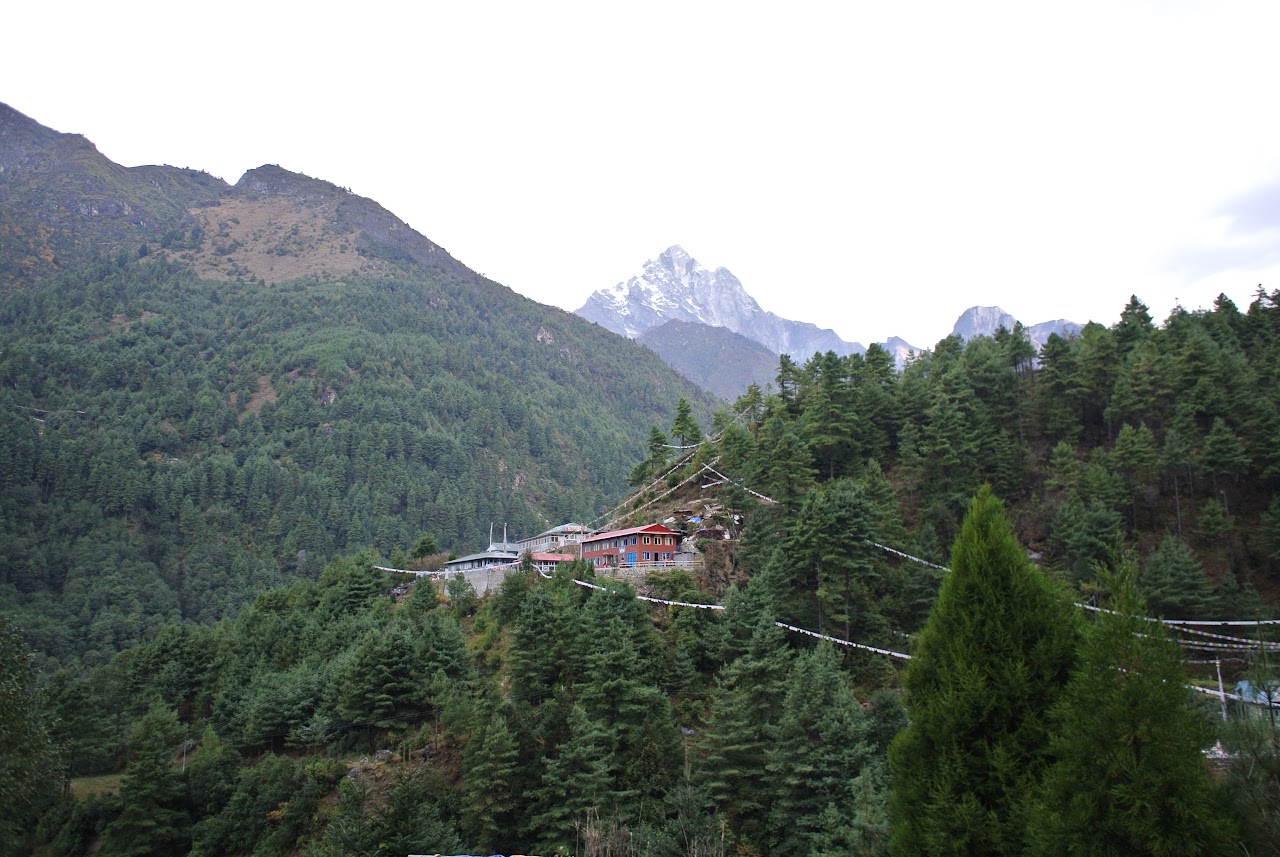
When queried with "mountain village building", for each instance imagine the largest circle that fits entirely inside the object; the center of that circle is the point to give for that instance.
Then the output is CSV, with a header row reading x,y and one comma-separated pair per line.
x,y
565,534
509,553
498,553
652,544
547,562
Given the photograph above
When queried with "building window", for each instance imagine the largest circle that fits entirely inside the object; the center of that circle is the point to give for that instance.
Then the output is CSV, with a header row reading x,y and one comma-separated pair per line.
x,y
645,556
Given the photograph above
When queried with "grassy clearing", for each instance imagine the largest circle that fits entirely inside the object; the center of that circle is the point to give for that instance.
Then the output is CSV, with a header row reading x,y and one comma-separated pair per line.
x,y
105,784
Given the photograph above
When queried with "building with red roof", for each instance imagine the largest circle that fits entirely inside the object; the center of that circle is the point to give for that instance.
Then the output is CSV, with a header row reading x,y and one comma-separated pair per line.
x,y
633,546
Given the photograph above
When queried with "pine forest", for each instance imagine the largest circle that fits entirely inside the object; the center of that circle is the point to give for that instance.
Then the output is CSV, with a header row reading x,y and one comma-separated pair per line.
x,y
923,620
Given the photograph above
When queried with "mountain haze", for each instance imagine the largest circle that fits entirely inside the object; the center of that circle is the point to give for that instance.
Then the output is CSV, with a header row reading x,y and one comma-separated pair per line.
x,y
714,358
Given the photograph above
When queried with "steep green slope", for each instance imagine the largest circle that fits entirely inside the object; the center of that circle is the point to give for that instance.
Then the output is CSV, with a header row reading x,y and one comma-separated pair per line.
x,y
205,389
170,445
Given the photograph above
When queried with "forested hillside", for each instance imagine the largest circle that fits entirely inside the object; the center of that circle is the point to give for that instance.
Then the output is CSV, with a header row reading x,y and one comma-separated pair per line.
x,y
1139,467
221,408
172,446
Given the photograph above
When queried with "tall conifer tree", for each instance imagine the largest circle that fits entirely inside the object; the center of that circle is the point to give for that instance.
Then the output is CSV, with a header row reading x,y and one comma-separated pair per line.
x,y
990,662
152,820
490,787
1128,776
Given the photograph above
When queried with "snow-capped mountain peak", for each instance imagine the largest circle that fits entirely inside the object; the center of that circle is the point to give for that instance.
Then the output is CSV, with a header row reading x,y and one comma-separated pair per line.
x,y
675,286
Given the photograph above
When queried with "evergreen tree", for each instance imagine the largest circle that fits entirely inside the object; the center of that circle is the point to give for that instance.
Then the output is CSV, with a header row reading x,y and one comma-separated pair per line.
x,y
425,546
1136,457
463,600
817,749
788,380
1086,534
1056,393
829,555
1140,393
684,428
827,419
656,446
1173,582
152,820
490,787
654,463
410,817
747,702
750,405
1213,522
545,630
1128,776
986,669
1221,454
1065,470
31,768
1253,774
1134,325
877,413
950,442
575,781
1096,368
379,687
783,466
617,689
911,464
211,774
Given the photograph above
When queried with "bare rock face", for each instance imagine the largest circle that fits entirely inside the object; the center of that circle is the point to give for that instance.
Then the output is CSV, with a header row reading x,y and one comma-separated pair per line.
x,y
982,321
375,233
62,201
986,320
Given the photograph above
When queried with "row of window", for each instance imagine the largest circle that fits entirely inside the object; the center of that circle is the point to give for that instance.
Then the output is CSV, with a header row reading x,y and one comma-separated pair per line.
x,y
629,540
645,556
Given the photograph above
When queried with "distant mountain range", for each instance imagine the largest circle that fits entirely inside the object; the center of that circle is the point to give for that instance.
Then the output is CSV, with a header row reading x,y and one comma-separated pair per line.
x,y
675,286
706,326
986,320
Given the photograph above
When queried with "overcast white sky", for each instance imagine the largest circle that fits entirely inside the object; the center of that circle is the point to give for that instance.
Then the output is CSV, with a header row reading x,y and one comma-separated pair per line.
x,y
875,168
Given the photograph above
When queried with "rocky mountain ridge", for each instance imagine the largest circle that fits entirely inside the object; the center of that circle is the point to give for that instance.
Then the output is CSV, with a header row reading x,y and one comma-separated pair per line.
x,y
986,320
63,202
676,286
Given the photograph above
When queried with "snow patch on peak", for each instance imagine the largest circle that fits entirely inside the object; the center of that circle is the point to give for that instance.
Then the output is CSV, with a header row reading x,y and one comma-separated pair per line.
x,y
675,286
